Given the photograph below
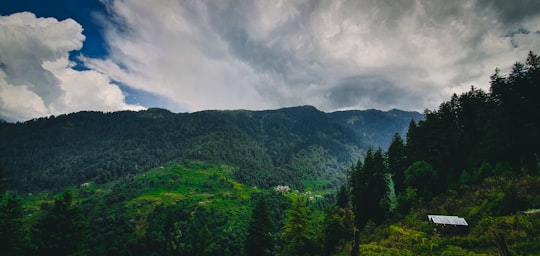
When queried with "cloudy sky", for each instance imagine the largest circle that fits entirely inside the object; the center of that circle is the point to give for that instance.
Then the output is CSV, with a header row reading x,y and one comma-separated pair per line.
x,y
187,55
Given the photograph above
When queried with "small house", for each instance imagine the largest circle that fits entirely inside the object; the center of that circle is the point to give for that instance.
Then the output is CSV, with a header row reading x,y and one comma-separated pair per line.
x,y
448,225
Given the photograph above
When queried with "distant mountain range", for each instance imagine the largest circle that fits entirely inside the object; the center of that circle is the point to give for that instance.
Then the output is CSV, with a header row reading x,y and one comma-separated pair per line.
x,y
298,146
375,126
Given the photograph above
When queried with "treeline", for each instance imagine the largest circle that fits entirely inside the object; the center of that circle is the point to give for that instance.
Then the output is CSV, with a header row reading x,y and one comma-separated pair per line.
x,y
476,138
95,222
268,147
478,143
214,218
478,133
473,136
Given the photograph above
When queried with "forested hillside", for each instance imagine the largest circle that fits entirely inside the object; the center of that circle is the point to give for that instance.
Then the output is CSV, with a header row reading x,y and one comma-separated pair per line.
x,y
297,146
476,157
376,126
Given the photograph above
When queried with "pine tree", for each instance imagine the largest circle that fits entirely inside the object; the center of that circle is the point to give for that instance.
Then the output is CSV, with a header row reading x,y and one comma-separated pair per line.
x,y
11,231
370,189
397,162
202,241
2,182
421,177
260,240
61,230
343,197
297,232
338,225
518,114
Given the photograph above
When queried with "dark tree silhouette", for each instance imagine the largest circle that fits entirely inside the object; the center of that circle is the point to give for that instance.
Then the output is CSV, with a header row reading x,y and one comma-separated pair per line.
x,y
370,189
260,239
61,230
12,234
397,162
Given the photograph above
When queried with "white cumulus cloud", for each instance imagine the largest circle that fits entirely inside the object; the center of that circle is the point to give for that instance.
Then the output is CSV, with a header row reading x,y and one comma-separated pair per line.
x,y
230,54
36,76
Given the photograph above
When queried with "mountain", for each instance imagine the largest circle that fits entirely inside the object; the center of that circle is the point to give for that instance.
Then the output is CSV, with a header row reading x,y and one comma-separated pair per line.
x,y
298,146
375,126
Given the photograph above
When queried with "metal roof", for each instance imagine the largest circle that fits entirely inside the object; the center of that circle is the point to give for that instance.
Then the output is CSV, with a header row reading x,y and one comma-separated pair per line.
x,y
448,220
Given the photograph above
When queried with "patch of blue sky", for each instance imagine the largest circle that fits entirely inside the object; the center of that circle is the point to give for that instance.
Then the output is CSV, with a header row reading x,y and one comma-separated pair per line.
x,y
148,99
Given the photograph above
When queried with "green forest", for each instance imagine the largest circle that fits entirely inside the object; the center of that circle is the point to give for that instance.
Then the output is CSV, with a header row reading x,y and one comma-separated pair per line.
x,y
267,147
294,181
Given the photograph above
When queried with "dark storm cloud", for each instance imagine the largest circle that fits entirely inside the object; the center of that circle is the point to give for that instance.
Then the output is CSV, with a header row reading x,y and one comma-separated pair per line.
x,y
511,11
383,54
268,54
369,92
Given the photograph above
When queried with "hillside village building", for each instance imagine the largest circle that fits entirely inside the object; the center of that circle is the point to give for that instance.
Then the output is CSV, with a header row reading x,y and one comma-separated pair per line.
x,y
444,224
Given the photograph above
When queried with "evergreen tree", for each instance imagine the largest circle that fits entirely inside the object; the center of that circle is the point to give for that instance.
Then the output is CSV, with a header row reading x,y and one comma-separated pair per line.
x,y
12,237
202,241
260,240
2,182
343,197
516,97
297,232
413,145
338,228
61,230
397,162
370,189
338,222
423,178
358,187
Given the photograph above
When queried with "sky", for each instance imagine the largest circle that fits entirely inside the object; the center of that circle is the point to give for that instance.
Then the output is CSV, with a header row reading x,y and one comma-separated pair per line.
x,y
59,57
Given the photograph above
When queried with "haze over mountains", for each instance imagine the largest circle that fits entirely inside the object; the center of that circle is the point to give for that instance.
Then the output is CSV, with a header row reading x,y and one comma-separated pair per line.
x,y
298,146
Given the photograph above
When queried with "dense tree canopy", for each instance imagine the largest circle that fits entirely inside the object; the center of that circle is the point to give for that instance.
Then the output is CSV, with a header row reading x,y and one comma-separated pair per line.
x,y
260,232
369,192
297,231
267,147
421,177
476,127
397,162
475,156
12,233
61,230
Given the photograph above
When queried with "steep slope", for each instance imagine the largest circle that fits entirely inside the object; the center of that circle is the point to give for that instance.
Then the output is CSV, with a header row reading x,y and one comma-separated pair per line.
x,y
375,126
299,146
497,210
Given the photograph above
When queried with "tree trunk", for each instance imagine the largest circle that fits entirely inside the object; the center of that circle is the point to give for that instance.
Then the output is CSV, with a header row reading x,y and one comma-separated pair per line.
x,y
501,244
355,251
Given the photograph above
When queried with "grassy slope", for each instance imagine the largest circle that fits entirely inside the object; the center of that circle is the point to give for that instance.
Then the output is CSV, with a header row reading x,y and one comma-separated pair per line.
x,y
202,187
209,186
205,185
482,206
490,207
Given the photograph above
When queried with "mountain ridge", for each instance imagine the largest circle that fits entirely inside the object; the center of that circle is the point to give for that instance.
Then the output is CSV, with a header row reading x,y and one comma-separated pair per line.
x,y
296,145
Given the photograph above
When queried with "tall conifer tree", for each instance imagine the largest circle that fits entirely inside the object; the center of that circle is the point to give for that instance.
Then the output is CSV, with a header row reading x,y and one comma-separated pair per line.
x,y
12,236
260,240
297,231
397,162
61,230
370,189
